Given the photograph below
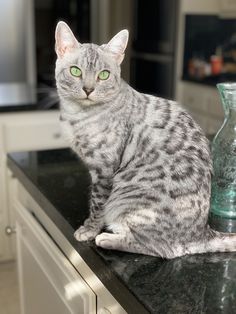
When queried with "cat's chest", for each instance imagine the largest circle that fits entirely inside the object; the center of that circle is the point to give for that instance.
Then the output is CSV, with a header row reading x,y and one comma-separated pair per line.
x,y
97,138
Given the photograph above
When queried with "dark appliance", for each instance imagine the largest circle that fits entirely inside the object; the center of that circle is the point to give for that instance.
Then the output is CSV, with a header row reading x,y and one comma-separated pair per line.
x,y
153,57
27,56
46,14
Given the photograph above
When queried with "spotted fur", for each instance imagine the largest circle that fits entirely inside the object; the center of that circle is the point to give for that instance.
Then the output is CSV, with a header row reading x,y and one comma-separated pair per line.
x,y
149,160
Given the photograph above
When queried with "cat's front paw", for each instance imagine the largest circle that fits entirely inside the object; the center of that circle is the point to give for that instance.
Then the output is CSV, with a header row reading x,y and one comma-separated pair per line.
x,y
86,233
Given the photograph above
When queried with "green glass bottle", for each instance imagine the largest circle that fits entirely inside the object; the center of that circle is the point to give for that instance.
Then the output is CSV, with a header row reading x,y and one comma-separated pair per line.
x,y
223,194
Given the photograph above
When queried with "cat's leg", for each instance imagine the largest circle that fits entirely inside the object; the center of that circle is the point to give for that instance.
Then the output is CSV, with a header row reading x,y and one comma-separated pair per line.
x,y
92,225
128,243
123,242
95,222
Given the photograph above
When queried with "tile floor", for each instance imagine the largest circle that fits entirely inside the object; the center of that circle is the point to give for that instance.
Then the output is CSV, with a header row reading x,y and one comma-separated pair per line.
x,y
9,291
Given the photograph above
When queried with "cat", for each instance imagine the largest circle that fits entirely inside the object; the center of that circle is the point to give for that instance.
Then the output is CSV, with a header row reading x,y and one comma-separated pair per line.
x,y
149,161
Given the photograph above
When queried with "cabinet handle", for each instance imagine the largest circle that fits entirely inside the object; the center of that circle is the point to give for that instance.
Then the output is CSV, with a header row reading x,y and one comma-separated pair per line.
x,y
10,230
57,135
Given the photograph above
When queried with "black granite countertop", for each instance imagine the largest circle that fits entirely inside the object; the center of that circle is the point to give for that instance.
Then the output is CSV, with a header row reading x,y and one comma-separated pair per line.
x,y
206,283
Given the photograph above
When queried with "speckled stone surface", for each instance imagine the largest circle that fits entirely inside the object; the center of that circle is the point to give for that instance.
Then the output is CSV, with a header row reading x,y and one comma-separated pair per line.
x,y
206,283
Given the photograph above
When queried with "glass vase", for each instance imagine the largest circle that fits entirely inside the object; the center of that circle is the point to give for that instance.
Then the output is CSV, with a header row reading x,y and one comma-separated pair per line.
x,y
223,194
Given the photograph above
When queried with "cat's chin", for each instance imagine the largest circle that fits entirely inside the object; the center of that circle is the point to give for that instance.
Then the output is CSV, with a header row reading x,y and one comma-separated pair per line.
x,y
89,102
86,102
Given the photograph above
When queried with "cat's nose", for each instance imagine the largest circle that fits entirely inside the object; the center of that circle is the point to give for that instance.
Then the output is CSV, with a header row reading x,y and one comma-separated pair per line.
x,y
87,90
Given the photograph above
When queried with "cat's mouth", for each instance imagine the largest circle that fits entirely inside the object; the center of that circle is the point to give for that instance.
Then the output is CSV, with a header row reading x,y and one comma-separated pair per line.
x,y
87,100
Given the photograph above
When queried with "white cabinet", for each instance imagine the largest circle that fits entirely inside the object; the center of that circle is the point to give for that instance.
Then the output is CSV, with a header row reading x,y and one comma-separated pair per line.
x,y
228,8
203,102
34,130
52,274
48,282
53,277
200,6
33,135
31,131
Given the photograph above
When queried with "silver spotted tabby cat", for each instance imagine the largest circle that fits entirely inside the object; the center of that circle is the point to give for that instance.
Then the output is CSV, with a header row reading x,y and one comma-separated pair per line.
x,y
149,161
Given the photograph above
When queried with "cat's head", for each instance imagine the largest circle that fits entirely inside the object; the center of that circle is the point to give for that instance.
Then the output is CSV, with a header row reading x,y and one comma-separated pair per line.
x,y
87,73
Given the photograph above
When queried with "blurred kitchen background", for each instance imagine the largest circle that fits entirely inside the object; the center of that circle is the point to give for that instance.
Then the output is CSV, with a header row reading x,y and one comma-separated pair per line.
x,y
178,49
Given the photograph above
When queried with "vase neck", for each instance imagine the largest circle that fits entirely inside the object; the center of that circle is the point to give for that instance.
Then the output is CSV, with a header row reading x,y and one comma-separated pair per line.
x,y
231,113
230,116
228,97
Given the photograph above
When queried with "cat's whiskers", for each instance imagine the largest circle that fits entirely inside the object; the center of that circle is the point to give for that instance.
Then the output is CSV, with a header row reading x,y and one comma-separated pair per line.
x,y
47,96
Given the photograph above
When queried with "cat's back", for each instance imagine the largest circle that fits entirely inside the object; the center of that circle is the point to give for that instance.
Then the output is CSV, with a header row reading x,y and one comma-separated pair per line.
x,y
167,119
166,127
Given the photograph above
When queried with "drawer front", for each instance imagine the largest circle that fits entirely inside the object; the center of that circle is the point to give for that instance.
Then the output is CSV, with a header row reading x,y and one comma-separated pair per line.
x,y
106,303
42,264
33,136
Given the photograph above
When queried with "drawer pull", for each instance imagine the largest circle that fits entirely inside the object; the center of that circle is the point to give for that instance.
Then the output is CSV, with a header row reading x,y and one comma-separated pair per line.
x,y
10,230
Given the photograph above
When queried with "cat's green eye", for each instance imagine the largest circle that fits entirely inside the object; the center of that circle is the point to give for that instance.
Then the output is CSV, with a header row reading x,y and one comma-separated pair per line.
x,y
75,71
103,75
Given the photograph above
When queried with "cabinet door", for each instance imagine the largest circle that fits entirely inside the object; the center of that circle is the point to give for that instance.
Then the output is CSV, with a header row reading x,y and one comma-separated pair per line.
x,y
31,136
5,247
22,132
48,282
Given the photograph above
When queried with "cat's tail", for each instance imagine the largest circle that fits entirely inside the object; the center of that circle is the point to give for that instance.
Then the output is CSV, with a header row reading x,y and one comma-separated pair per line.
x,y
213,241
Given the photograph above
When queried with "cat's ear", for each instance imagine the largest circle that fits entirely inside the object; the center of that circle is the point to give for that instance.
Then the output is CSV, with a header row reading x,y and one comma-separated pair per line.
x,y
116,46
65,39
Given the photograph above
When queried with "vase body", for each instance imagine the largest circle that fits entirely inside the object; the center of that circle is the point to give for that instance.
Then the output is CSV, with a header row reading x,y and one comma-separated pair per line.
x,y
223,193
